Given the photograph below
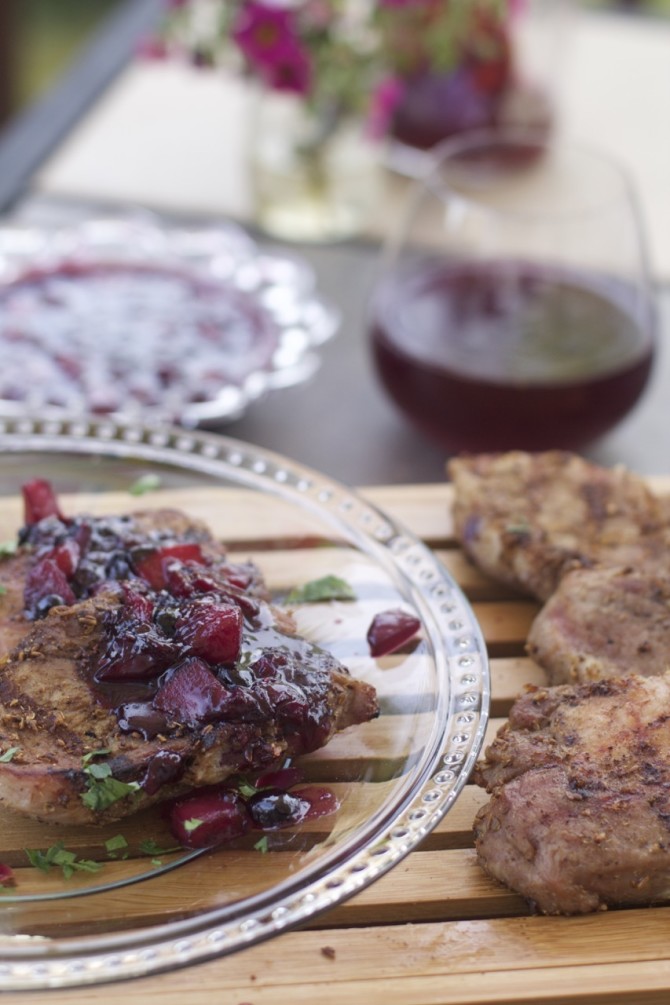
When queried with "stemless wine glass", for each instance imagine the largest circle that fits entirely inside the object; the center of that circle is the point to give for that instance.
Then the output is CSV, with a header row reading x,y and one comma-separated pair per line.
x,y
515,309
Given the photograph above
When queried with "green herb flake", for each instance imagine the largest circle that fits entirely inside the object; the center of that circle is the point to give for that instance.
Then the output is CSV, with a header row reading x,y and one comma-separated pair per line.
x,y
317,590
9,755
115,845
59,857
8,548
3,590
144,484
192,824
246,790
102,788
262,845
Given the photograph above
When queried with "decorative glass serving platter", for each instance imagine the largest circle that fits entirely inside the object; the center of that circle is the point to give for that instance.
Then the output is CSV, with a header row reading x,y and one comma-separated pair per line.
x,y
145,905
135,317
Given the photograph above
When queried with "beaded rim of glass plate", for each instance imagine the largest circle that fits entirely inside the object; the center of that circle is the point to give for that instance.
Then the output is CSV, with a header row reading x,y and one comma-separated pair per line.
x,y
281,288
461,679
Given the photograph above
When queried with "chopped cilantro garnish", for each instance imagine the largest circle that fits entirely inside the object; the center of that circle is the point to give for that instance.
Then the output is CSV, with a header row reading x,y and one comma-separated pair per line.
x,y
115,845
246,790
192,824
58,856
326,588
145,483
262,844
8,755
102,788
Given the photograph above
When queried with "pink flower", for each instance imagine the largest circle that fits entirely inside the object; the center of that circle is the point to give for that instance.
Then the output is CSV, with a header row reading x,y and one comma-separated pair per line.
x,y
385,99
268,38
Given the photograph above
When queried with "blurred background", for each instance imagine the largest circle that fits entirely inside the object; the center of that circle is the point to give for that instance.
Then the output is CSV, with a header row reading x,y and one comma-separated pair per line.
x,y
40,38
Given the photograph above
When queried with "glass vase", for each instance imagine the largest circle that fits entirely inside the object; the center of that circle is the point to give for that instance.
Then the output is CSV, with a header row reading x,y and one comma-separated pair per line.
x,y
316,174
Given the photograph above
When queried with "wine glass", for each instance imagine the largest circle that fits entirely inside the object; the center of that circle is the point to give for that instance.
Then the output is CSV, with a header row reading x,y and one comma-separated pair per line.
x,y
514,309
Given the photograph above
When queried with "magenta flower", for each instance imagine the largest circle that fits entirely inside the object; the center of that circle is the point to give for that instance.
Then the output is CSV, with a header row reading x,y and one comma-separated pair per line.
x,y
268,38
385,99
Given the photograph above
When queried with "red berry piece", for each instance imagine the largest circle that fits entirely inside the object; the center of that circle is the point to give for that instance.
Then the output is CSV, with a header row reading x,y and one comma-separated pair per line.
x,y
209,818
66,556
46,587
390,630
152,567
39,501
135,651
191,694
6,875
140,605
210,630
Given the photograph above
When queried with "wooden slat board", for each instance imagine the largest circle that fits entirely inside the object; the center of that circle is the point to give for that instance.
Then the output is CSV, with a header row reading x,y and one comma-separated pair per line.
x,y
435,929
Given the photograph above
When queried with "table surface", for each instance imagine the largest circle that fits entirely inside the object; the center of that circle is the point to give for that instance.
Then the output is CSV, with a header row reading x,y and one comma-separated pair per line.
x,y
434,930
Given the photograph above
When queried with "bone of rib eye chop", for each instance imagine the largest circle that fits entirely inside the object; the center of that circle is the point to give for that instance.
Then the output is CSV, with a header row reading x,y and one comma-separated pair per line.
x,y
165,669
603,622
579,815
527,519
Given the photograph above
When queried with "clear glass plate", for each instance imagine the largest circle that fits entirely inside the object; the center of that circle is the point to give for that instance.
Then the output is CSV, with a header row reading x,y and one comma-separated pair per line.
x,y
395,777
133,317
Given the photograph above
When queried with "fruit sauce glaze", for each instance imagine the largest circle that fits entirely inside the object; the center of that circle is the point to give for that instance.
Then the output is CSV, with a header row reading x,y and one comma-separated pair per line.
x,y
109,337
497,356
191,642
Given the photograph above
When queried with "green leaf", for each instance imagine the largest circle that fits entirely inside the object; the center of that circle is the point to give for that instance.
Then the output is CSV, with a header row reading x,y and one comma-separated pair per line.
x,y
192,824
3,590
102,788
60,857
8,755
262,845
145,483
8,548
246,790
106,791
317,590
116,844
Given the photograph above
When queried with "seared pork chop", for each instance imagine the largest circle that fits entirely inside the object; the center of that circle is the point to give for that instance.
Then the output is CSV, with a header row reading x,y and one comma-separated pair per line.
x,y
151,665
527,519
603,622
579,815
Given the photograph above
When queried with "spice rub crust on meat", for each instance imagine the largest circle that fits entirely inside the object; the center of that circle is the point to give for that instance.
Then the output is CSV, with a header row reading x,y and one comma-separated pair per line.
x,y
527,519
603,622
579,815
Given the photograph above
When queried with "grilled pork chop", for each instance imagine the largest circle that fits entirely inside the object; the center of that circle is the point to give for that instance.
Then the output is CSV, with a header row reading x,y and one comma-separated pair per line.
x,y
152,664
603,622
527,519
579,815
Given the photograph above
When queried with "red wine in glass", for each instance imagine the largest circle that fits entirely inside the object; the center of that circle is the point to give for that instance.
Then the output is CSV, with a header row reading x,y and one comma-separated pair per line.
x,y
503,355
